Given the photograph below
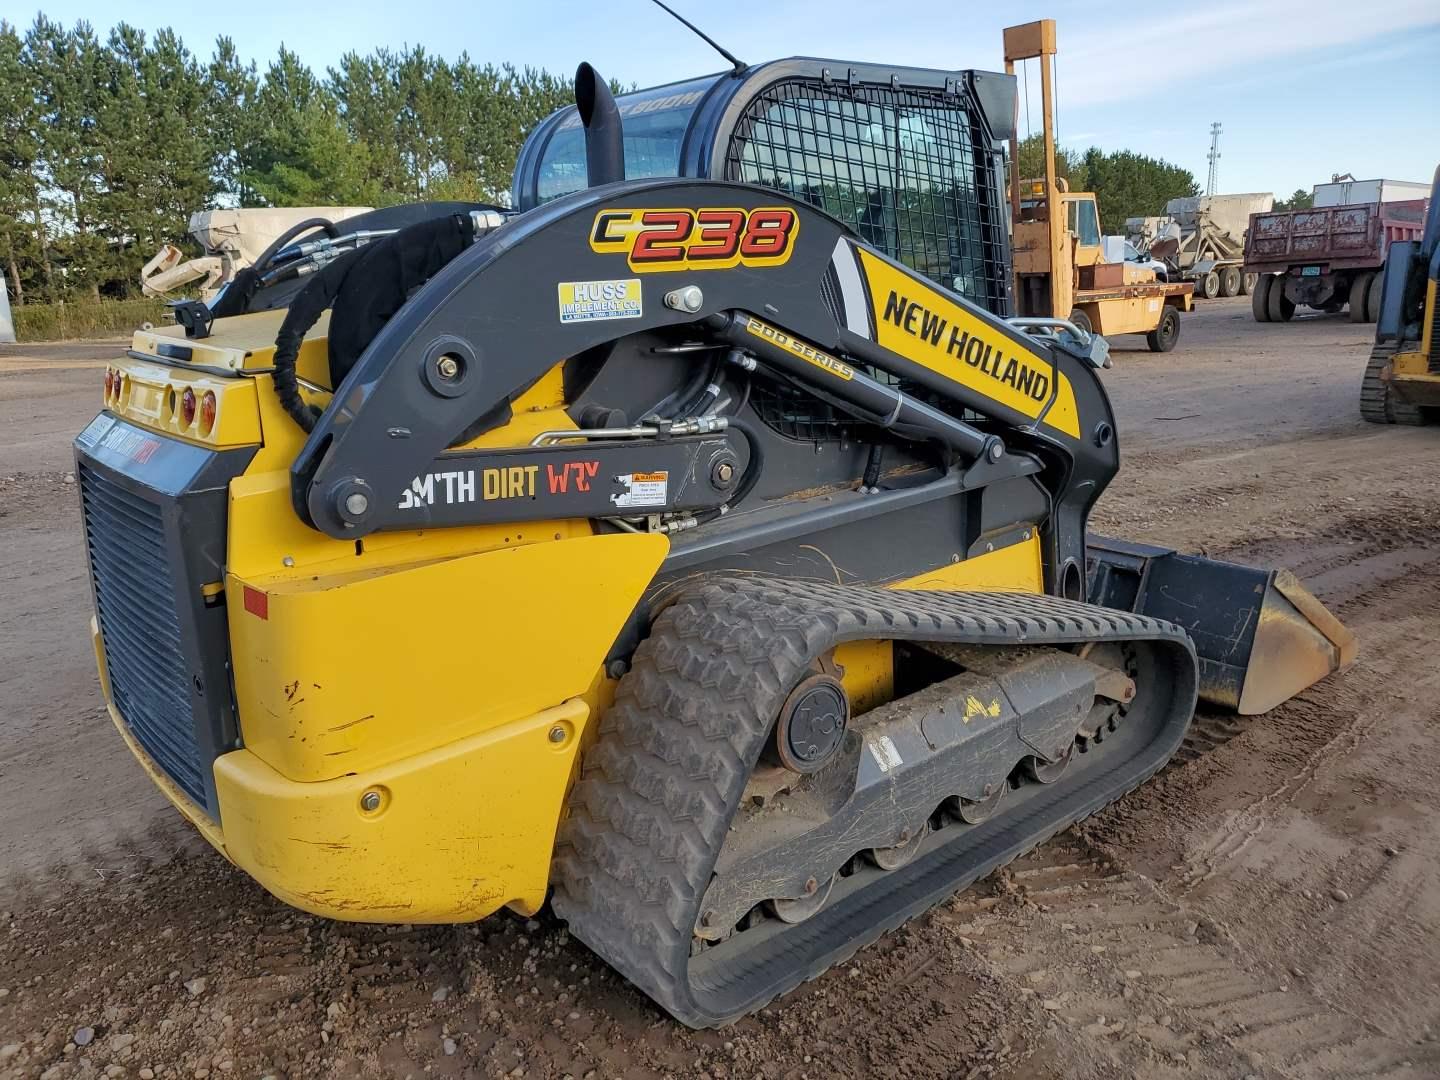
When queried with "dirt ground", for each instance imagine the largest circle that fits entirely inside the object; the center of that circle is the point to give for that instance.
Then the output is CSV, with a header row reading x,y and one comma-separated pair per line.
x,y
1268,907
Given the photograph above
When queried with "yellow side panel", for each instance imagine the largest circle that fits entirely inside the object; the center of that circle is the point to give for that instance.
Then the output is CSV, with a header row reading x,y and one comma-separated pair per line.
x,y
341,672
1138,315
1411,364
1016,568
456,833
869,666
868,673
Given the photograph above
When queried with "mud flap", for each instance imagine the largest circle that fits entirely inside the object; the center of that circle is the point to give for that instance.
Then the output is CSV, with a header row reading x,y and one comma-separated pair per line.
x,y
1260,635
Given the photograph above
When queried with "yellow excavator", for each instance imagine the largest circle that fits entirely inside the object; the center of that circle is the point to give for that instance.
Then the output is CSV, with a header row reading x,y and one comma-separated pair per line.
x,y
1402,379
700,543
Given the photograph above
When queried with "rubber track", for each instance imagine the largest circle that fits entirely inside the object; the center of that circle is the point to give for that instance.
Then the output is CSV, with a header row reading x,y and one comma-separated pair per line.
x,y
666,775
1379,403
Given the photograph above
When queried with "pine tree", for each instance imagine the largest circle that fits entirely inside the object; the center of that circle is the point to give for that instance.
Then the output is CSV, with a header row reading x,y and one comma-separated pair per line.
x,y
22,245
233,122
303,154
68,68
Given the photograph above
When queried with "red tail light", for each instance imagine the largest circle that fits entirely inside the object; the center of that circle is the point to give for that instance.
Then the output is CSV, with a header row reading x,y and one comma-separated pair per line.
x,y
207,412
109,383
187,407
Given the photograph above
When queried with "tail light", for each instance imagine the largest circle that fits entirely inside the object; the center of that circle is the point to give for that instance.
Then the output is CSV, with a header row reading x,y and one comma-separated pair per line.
x,y
207,412
187,407
109,383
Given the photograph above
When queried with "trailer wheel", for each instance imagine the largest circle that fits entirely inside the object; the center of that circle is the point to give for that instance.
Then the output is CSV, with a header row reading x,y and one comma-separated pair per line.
x,y
1280,307
1359,286
1260,298
1208,285
1165,335
1372,296
1248,283
1230,279
1080,319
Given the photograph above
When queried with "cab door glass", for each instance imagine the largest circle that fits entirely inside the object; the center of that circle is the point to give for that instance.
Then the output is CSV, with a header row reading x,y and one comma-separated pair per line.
x,y
1088,226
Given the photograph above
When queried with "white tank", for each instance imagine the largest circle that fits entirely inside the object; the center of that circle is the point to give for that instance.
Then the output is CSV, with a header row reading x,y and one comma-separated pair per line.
x,y
1227,213
1356,192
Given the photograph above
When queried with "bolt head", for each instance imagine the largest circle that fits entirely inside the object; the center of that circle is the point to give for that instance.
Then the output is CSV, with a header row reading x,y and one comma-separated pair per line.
x,y
356,503
689,299
557,734
447,367
370,801
725,472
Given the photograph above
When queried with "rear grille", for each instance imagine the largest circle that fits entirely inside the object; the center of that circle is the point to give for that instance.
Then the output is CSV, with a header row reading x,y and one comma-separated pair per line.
x,y
134,598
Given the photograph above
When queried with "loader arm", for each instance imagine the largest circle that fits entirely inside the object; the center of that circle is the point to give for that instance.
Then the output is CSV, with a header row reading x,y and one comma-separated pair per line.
x,y
857,328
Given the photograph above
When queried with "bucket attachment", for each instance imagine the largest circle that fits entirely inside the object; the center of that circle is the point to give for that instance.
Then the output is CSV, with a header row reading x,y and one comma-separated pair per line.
x,y
1260,635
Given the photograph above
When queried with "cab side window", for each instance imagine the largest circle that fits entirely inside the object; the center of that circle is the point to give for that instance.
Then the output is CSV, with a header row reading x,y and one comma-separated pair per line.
x,y
1084,222
900,167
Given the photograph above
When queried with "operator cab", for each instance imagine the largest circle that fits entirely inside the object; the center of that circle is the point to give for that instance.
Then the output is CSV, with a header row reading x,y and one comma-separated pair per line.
x,y
912,159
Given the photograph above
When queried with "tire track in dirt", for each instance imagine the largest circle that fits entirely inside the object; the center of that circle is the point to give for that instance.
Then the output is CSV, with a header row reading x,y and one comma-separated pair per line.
x,y
1195,947
1158,987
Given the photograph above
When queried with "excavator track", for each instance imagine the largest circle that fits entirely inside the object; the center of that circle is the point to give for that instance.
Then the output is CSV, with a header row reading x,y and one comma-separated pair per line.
x,y
636,857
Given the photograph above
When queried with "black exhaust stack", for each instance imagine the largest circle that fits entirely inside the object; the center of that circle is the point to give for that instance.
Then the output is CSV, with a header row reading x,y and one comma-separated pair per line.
x,y
604,138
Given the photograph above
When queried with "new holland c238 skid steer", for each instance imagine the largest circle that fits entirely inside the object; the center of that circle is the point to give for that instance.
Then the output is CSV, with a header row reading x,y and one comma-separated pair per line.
x,y
703,549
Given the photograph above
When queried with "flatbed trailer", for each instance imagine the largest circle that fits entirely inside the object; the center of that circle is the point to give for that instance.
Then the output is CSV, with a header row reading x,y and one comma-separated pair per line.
x,y
1133,309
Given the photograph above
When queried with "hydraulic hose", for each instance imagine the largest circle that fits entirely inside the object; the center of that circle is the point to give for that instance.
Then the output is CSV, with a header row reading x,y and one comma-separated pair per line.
x,y
235,298
366,286
677,403
305,310
871,478
284,239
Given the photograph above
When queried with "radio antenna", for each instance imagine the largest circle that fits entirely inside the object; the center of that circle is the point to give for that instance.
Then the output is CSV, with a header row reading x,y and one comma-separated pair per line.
x,y
737,63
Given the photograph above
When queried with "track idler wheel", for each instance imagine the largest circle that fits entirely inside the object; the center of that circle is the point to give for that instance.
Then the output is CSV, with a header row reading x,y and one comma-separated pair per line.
x,y
1047,772
982,810
811,724
801,908
893,858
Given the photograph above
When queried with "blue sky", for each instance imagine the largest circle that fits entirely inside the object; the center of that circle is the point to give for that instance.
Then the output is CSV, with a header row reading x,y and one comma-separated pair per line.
x,y
1303,91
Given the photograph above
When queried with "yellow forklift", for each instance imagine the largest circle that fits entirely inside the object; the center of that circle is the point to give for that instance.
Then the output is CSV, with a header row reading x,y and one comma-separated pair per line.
x,y
1402,380
1060,268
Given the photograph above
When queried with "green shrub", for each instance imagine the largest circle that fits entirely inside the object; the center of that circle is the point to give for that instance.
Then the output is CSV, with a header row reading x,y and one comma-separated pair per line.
x,y
86,318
